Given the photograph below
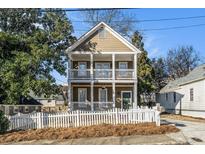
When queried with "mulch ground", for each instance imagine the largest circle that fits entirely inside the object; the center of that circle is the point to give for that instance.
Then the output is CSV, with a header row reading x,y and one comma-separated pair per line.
x,y
182,117
85,132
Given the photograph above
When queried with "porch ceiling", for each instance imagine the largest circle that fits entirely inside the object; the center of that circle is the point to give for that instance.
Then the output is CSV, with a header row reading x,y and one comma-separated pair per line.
x,y
102,57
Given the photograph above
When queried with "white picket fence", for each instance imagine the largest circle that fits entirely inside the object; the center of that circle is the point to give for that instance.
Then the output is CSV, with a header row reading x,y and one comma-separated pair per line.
x,y
82,118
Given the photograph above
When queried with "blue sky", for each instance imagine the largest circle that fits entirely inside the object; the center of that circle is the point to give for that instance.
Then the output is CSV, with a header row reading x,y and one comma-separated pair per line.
x,y
157,43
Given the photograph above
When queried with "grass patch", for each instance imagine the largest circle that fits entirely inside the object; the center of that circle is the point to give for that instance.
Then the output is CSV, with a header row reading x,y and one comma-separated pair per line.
x,y
85,132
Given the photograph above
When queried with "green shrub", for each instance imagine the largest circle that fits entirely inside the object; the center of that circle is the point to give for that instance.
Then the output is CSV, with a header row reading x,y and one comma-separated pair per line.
x,y
4,123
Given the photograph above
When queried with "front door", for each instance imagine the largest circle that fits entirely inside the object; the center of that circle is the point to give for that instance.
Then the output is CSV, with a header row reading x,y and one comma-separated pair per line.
x,y
126,99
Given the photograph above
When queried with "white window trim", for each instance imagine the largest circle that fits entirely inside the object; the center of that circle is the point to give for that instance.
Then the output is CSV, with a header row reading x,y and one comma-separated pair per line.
x,y
123,63
79,93
99,94
79,74
122,97
102,63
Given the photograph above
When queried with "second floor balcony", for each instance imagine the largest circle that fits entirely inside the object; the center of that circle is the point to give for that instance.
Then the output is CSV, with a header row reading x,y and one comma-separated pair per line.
x,y
83,74
102,66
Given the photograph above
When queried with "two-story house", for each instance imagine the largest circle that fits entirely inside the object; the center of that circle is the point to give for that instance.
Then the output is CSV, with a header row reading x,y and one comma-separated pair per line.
x,y
102,71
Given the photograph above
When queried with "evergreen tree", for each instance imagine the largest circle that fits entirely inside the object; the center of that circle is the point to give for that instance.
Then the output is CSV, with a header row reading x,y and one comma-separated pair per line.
x,y
32,45
145,70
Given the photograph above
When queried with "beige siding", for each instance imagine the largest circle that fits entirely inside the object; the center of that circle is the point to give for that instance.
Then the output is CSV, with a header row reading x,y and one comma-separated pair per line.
x,y
109,43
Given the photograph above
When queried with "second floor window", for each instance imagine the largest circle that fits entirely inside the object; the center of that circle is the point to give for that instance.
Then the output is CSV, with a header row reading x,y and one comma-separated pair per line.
x,y
82,66
123,65
191,94
102,70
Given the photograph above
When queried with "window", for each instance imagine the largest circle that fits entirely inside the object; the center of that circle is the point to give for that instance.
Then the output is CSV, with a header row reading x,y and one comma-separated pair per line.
x,y
102,70
123,65
82,94
191,94
174,94
82,66
103,95
102,33
123,69
166,95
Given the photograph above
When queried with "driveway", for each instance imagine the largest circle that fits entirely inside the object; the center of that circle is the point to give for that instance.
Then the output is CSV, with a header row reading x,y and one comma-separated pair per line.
x,y
191,132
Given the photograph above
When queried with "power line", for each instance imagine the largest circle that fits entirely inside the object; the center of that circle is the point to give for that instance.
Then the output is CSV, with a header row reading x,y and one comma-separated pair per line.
x,y
153,20
77,10
176,27
159,29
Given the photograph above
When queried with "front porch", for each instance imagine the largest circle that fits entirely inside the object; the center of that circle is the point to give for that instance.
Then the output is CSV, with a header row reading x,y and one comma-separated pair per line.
x,y
103,96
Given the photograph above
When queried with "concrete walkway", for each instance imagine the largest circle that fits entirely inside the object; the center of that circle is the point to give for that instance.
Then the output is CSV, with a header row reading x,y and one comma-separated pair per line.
x,y
191,132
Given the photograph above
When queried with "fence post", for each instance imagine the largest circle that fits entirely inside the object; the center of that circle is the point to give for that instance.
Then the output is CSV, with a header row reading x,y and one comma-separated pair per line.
x,y
39,120
157,118
78,118
116,115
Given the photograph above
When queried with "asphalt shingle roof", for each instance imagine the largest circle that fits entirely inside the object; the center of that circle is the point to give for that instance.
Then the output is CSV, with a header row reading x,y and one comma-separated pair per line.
x,y
197,74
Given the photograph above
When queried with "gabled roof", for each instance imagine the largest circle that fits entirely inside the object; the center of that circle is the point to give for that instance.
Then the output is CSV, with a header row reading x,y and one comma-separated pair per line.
x,y
96,28
195,75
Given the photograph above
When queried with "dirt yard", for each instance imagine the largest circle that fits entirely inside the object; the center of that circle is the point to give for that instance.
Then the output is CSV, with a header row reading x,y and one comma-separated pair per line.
x,y
182,117
85,132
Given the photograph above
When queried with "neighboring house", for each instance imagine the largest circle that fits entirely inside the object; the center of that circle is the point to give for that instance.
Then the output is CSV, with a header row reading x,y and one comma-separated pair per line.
x,y
35,104
53,100
102,71
185,95
24,106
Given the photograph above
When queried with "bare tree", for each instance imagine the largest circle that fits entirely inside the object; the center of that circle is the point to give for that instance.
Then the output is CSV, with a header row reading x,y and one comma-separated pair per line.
x,y
113,17
181,61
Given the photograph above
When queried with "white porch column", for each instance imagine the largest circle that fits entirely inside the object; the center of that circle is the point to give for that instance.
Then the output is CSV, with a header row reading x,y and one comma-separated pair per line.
x,y
113,66
92,81
135,66
113,94
91,95
69,85
91,66
135,81
113,79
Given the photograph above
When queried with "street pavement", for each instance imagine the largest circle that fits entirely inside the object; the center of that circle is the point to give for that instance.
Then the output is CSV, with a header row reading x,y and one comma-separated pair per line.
x,y
191,132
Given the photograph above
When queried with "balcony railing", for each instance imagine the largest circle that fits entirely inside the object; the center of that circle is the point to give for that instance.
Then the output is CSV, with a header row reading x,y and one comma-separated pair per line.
x,y
80,74
124,73
102,73
120,74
